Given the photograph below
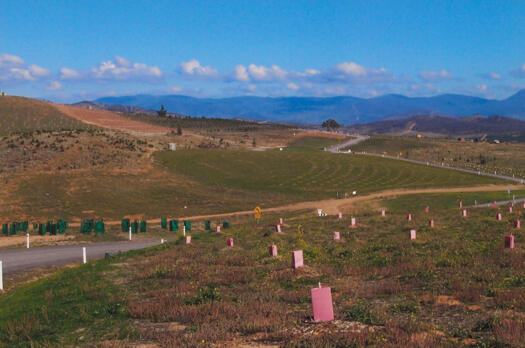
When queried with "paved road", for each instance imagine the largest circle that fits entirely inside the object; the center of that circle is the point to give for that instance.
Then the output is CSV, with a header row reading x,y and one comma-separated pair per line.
x,y
358,138
17,260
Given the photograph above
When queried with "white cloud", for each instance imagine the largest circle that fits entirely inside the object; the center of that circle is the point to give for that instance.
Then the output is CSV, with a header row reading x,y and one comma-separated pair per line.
x,y
69,74
193,68
351,68
491,76
175,89
54,86
435,76
38,71
292,86
14,69
8,60
120,69
241,74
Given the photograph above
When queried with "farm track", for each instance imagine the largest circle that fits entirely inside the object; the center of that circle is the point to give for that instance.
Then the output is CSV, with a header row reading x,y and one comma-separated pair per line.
x,y
332,206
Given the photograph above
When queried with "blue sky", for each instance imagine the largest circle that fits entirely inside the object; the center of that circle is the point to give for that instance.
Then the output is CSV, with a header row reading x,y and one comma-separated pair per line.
x,y
75,50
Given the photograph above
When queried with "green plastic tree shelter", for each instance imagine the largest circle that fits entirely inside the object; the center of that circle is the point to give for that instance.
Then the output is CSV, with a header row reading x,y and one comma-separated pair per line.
x,y
125,225
99,227
143,226
187,224
207,225
164,223
174,225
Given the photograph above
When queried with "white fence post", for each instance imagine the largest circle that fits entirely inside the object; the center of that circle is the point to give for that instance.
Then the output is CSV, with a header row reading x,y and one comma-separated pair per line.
x,y
84,254
130,233
27,241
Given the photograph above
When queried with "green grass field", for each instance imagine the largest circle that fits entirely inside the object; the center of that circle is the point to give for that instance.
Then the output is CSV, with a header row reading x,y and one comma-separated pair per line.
x,y
18,115
455,285
214,181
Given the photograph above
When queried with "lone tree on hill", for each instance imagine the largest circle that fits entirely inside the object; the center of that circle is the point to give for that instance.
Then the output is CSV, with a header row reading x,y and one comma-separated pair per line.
x,y
330,124
162,112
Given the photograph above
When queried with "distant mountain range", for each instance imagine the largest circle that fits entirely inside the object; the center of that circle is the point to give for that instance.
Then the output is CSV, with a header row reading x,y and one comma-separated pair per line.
x,y
474,126
345,109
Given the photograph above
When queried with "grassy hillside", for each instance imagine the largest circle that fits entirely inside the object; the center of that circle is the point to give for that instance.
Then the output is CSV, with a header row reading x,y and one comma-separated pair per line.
x,y
19,114
454,285
508,158
307,175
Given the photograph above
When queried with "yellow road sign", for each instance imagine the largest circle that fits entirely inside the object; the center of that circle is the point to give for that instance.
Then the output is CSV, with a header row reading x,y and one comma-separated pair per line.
x,y
257,212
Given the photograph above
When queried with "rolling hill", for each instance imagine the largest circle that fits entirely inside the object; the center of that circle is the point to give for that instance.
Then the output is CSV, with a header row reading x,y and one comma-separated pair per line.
x,y
441,125
344,109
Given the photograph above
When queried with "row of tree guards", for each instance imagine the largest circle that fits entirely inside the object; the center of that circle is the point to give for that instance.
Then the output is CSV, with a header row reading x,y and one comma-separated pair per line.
x,y
53,228
98,226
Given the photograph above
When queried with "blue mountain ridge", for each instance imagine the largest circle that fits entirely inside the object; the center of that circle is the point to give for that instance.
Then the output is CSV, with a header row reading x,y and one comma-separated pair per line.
x,y
344,109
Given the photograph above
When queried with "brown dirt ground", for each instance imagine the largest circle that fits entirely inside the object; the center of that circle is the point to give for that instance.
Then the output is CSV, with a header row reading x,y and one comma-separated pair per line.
x,y
21,240
333,206
110,120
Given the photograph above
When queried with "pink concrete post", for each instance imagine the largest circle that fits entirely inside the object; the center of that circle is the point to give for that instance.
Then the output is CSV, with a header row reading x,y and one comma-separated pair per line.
x,y
409,217
509,242
524,205
188,239
460,204
464,212
322,304
337,235
412,234
353,222
273,250
498,216
229,242
427,209
510,209
218,229
278,228
280,221
383,212
297,259
340,216
431,223
494,204
517,224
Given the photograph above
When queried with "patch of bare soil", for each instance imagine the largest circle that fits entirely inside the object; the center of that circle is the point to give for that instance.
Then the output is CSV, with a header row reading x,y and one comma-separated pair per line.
x,y
110,120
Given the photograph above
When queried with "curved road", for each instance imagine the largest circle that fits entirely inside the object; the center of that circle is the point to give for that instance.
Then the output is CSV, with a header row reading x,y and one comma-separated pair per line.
x,y
361,138
17,260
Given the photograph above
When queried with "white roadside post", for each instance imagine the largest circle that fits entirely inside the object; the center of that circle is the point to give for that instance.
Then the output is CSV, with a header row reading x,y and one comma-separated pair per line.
x,y
84,254
129,232
162,241
27,241
1,277
184,230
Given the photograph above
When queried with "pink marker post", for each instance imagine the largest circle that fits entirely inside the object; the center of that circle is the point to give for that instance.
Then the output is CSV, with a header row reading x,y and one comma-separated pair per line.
x,y
297,259
431,223
494,204
337,235
509,242
278,228
498,216
383,212
340,216
412,234
280,221
353,222
273,250
464,212
409,217
218,229
188,239
229,242
517,224
510,209
427,209
322,304
460,204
